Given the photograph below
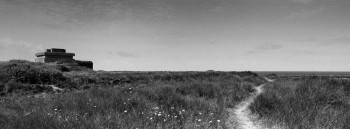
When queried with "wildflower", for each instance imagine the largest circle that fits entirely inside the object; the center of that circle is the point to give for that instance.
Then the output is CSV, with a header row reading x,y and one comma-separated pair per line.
x,y
151,118
125,111
200,113
210,121
159,114
55,109
218,120
199,120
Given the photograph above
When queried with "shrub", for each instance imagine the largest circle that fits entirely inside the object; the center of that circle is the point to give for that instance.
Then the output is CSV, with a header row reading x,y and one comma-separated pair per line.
x,y
29,72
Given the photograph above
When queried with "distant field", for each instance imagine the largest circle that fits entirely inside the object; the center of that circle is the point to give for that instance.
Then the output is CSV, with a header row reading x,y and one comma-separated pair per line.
x,y
334,74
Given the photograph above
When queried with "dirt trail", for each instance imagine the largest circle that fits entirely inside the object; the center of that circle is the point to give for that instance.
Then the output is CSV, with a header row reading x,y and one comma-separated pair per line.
x,y
240,116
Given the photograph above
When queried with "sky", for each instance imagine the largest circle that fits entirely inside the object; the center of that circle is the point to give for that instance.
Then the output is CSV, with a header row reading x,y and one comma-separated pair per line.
x,y
182,35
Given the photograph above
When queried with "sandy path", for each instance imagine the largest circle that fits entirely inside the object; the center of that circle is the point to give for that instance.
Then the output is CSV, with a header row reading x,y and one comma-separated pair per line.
x,y
240,116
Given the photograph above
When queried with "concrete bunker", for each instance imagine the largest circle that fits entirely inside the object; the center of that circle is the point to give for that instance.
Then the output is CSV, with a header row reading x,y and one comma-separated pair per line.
x,y
59,56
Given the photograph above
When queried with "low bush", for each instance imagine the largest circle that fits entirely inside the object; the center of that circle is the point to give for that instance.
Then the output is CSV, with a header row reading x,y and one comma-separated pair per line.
x,y
29,72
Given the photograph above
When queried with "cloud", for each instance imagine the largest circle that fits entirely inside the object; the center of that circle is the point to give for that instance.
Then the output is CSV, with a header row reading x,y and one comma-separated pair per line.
x,y
304,13
38,48
342,40
301,1
8,42
17,49
345,40
266,47
63,14
123,54
308,52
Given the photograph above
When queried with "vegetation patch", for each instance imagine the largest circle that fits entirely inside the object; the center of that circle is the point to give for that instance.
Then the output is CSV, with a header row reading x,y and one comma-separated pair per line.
x,y
310,102
99,99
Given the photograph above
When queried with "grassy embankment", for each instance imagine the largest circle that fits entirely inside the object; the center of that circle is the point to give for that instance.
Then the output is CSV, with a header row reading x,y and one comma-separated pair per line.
x,y
122,100
307,103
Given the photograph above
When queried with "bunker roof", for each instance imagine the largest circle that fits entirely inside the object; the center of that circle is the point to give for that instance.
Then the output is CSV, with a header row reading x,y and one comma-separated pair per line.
x,y
54,52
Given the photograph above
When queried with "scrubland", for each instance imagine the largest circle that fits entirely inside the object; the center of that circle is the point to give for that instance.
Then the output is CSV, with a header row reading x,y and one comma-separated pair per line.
x,y
148,100
99,99
306,103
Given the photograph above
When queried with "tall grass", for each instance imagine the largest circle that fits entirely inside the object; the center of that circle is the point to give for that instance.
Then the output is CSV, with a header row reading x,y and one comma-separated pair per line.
x,y
308,103
134,100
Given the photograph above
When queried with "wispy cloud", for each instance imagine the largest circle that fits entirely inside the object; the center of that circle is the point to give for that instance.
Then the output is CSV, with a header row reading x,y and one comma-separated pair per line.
x,y
308,52
63,14
8,42
301,1
266,47
123,54
342,40
304,13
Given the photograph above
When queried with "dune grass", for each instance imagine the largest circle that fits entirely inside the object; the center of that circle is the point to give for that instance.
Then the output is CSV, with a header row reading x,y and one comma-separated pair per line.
x,y
307,103
134,100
